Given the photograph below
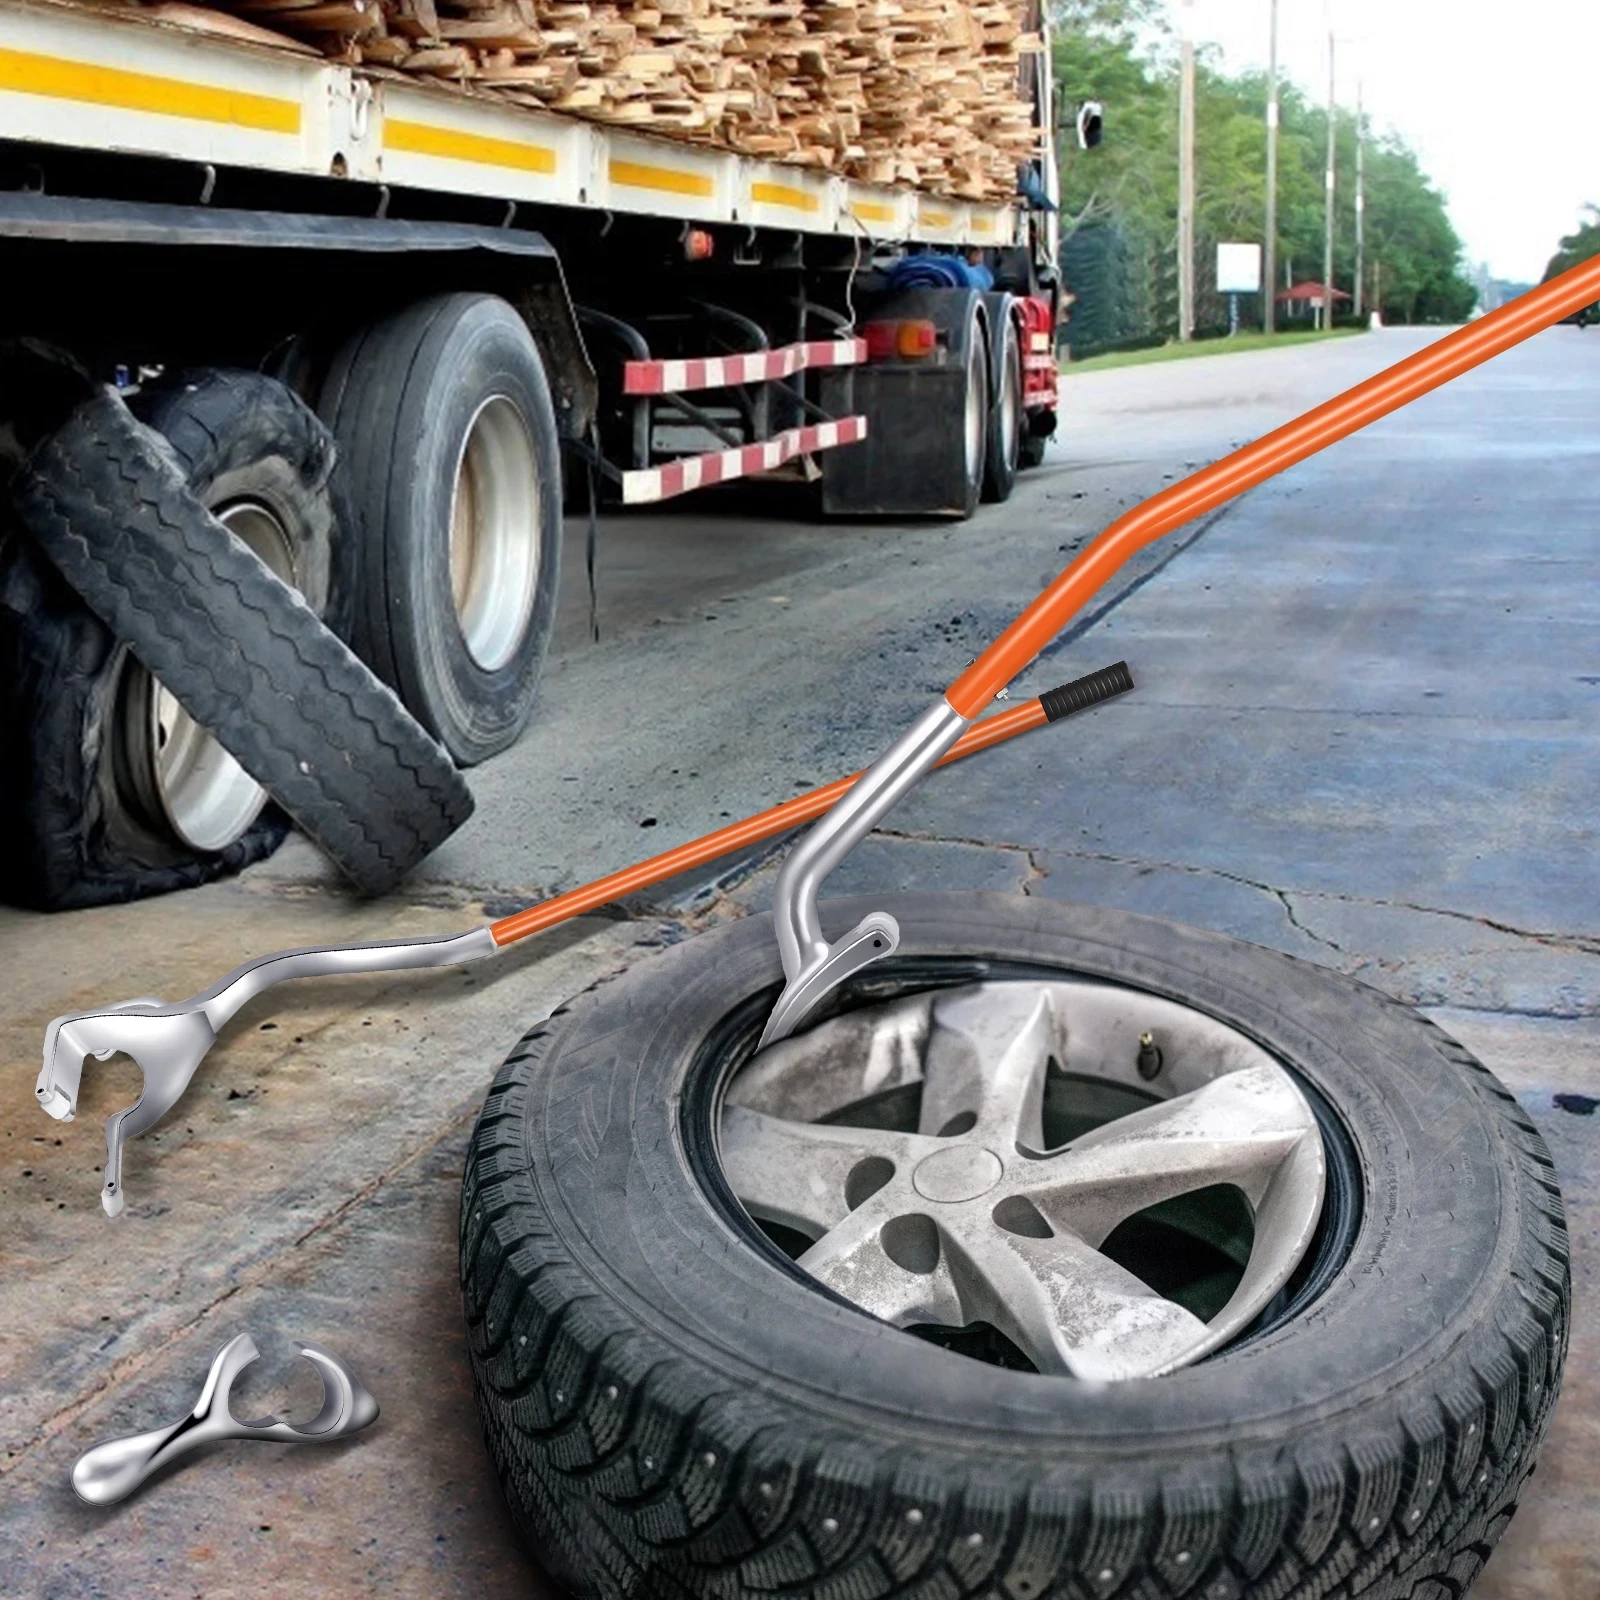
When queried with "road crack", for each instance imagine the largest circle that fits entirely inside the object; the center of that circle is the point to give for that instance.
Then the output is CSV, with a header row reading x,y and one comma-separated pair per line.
x,y
1576,943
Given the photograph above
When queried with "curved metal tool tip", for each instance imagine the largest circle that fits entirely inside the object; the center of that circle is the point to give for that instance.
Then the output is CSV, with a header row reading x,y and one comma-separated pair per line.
x,y
112,1471
347,1403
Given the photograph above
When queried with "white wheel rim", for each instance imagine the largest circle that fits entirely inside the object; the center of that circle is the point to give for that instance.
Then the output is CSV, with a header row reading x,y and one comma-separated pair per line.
x,y
977,420
206,797
1009,405
986,1210
494,533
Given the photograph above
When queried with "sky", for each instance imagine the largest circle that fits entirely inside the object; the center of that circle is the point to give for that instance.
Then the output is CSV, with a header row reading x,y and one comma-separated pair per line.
x,y
1500,101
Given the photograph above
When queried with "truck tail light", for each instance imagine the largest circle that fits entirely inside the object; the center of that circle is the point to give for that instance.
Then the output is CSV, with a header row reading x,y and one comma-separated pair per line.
x,y
880,340
911,340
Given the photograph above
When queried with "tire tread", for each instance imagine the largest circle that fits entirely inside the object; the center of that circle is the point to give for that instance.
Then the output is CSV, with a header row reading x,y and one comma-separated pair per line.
x,y
1272,1527
244,654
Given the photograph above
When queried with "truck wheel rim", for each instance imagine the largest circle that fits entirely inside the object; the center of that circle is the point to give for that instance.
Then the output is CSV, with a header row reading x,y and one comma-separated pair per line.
x,y
1009,404
494,533
1025,1159
202,794
976,419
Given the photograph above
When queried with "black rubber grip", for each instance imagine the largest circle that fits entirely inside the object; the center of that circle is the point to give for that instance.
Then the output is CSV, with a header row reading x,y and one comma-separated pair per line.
x,y
1082,693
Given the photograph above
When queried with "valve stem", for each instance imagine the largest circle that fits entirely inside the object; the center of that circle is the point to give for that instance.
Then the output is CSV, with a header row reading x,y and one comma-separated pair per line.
x,y
1149,1056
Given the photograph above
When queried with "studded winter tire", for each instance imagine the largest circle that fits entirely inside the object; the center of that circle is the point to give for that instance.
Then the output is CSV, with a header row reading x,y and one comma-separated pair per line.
x,y
1071,1253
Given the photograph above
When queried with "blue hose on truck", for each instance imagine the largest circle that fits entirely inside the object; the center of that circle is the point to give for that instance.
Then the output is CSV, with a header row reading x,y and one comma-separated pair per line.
x,y
929,271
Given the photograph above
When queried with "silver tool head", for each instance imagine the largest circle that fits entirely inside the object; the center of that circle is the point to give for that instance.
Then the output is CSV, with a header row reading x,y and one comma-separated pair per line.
x,y
169,1041
112,1471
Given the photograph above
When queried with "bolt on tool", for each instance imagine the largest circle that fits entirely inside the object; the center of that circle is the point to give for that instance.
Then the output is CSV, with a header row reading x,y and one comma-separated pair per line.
x,y
168,1041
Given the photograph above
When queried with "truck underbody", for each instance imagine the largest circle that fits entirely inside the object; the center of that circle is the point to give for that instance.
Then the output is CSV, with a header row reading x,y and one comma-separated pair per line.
x,y
473,299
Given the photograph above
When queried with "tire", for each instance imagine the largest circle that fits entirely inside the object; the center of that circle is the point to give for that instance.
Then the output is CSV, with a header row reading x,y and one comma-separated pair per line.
x,y
242,436
1007,422
675,1410
77,837
974,436
448,394
85,804
243,653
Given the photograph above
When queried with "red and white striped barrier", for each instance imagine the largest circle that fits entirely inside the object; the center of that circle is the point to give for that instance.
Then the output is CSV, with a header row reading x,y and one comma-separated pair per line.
x,y
648,484
721,372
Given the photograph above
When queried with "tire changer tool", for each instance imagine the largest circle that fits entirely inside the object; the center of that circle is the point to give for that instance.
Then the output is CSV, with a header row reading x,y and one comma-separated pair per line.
x,y
169,1041
112,1471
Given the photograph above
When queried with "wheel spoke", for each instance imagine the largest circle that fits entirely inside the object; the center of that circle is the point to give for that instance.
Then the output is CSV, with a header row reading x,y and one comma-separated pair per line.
x,y
1071,1309
804,1175
986,1059
888,1261
966,1220
1238,1129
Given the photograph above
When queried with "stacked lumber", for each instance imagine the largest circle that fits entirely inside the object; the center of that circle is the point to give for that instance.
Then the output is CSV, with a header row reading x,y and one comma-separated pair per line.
x,y
915,92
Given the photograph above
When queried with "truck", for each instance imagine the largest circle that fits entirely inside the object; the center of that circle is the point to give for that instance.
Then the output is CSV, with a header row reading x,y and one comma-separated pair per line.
x,y
496,314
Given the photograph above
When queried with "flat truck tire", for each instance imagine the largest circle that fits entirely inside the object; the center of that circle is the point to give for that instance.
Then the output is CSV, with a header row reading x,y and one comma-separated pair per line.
x,y
110,793
677,1407
77,836
246,657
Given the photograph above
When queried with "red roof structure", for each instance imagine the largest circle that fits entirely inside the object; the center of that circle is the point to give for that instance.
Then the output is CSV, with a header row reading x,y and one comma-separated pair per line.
x,y
1311,292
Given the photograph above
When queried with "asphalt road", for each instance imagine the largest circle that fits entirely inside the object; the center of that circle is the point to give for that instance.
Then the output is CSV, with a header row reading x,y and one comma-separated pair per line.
x,y
1366,731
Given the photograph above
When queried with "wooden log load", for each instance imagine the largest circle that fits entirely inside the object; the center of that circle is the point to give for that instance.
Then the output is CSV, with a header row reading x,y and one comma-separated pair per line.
x,y
925,93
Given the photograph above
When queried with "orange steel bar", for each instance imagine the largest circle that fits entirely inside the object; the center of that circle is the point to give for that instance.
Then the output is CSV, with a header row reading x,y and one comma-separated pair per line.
x,y
1203,491
803,808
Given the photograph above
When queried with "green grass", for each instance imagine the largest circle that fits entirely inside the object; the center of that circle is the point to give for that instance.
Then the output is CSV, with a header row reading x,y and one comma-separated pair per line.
x,y
1202,347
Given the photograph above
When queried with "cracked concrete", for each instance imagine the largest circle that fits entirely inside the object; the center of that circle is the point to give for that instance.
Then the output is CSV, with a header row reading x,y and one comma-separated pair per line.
x,y
1352,740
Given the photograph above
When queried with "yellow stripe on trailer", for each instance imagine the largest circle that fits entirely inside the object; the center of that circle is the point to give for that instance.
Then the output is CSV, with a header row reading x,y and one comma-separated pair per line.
x,y
450,144
872,211
669,180
781,194
23,72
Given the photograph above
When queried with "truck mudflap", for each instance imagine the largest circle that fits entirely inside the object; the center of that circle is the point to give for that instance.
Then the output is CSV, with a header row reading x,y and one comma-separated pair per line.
x,y
916,412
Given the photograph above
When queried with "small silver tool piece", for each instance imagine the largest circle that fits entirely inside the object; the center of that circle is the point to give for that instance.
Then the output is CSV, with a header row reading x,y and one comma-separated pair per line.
x,y
112,1471
170,1041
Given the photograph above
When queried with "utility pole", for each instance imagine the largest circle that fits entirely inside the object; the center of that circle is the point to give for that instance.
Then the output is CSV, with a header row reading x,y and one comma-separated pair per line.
x,y
1186,173
1361,205
1325,312
1269,243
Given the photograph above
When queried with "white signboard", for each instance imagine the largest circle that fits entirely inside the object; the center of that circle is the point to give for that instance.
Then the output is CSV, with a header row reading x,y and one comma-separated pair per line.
x,y
1238,268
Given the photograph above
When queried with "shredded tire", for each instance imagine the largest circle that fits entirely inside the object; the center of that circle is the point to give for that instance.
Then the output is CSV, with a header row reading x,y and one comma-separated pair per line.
x,y
245,656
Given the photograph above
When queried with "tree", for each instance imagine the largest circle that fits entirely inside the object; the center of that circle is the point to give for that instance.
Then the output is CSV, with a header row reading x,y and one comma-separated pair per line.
x,y
1577,247
1119,202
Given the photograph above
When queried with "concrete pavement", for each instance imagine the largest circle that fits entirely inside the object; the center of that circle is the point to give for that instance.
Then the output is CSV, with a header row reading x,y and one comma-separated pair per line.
x,y
1365,732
